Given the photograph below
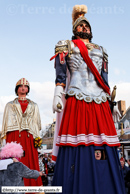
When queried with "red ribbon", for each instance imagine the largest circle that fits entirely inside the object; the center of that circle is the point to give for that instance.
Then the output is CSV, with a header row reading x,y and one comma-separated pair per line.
x,y
53,57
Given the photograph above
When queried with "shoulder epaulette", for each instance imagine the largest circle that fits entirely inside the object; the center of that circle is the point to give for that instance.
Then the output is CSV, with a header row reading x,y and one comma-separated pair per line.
x,y
105,55
63,46
96,46
105,60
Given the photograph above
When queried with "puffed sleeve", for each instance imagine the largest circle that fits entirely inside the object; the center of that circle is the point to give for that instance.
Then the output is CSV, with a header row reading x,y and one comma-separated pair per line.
x,y
60,62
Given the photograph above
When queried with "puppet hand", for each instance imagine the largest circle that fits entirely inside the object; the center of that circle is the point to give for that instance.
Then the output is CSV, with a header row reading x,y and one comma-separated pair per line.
x,y
57,101
57,104
116,114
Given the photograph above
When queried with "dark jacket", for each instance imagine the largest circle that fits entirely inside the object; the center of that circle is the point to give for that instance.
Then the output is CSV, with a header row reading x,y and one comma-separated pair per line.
x,y
127,181
15,173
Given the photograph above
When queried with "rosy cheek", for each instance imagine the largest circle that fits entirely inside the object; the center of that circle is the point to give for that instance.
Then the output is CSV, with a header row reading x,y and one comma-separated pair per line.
x,y
79,29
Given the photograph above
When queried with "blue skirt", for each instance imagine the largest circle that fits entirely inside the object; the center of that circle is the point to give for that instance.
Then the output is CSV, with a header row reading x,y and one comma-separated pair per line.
x,y
78,172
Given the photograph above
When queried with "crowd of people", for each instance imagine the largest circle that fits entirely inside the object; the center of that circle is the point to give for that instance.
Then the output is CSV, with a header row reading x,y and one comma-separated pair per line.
x,y
12,171
47,167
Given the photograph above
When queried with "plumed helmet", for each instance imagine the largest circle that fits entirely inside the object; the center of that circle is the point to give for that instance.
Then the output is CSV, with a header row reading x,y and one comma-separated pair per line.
x,y
78,15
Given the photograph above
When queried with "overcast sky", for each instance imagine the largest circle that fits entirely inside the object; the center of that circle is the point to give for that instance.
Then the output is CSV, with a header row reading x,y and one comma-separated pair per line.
x,y
29,30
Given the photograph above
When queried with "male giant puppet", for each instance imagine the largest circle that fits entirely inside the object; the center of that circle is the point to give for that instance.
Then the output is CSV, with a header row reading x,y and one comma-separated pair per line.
x,y
21,123
87,123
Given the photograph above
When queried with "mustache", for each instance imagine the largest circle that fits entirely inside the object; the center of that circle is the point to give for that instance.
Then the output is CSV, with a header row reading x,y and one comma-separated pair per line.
x,y
82,35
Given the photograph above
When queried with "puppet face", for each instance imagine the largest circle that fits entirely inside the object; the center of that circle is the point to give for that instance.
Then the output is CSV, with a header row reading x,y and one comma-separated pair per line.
x,y
83,27
22,90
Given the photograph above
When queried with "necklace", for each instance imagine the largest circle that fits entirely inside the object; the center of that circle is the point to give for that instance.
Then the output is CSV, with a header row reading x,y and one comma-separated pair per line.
x,y
22,98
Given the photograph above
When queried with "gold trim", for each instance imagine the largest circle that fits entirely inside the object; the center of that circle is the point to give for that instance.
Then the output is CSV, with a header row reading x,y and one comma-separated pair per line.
x,y
79,20
22,98
60,49
97,99
88,99
71,92
80,95
64,48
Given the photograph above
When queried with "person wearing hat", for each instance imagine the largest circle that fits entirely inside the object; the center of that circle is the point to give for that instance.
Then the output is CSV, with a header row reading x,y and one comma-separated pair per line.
x,y
12,171
84,118
125,170
21,123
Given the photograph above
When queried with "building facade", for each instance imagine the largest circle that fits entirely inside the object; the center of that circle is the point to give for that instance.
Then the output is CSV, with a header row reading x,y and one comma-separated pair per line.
x,y
47,138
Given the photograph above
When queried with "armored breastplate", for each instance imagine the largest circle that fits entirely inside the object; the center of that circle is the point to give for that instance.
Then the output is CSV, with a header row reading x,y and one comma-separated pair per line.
x,y
82,82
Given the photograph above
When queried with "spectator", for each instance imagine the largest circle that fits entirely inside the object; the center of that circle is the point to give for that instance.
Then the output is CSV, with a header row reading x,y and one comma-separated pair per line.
x,y
50,167
45,157
42,168
45,161
127,181
41,164
125,171
11,170
128,161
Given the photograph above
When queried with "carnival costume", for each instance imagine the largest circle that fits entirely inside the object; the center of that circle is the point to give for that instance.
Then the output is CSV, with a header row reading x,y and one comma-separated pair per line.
x,y
86,120
21,123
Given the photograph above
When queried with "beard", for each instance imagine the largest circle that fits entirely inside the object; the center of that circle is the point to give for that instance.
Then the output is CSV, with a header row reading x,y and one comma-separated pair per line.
x,y
83,35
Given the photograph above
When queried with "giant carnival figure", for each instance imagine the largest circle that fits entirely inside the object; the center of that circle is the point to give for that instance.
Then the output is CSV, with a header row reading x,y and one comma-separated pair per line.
x,y
84,125
21,123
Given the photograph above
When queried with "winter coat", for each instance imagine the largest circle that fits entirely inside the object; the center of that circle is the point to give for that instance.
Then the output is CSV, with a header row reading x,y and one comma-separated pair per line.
x,y
14,174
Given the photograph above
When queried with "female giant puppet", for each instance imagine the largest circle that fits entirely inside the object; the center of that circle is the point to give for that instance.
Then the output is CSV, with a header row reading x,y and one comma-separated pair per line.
x,y
21,123
87,124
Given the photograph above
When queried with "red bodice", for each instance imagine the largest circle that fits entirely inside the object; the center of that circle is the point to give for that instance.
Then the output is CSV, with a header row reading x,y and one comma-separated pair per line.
x,y
24,104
